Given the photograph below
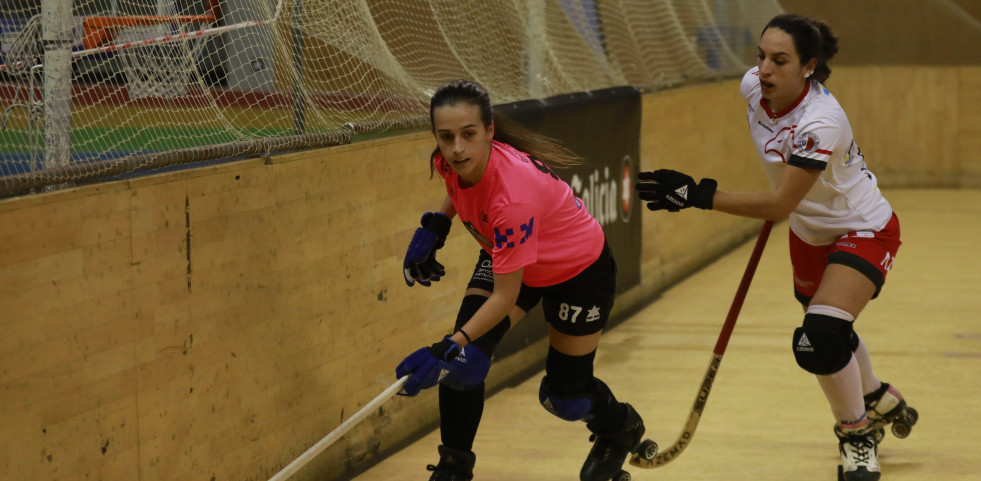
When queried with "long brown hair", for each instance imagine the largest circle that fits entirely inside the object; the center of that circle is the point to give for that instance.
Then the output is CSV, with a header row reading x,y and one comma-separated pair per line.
x,y
544,148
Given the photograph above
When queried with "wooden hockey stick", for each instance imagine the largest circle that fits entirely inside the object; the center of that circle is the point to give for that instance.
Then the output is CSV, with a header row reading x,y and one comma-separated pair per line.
x,y
665,457
334,435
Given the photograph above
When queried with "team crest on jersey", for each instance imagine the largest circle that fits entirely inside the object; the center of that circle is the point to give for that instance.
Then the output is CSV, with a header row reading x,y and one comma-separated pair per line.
x,y
807,142
444,167
476,234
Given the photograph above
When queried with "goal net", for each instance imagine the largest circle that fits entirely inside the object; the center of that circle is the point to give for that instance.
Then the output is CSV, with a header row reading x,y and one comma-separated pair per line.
x,y
143,84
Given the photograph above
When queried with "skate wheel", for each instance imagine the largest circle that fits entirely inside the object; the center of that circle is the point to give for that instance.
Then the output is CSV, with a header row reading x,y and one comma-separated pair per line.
x,y
912,415
622,476
900,429
647,450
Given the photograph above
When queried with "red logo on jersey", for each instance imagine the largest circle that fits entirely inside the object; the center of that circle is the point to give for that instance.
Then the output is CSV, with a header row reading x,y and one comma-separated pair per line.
x,y
807,142
773,145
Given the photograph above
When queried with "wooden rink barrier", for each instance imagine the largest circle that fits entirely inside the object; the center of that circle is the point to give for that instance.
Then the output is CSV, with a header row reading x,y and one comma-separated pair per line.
x,y
214,323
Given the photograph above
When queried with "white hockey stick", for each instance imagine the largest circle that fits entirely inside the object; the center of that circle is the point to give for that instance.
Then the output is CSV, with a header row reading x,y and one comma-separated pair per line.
x,y
670,454
334,435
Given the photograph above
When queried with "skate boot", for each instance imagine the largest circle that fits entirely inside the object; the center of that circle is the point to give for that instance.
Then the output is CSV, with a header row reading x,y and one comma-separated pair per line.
x,y
454,465
886,406
610,449
859,454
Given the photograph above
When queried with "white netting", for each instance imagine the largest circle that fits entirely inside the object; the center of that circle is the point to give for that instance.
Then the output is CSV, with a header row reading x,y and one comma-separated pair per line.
x,y
162,70
185,80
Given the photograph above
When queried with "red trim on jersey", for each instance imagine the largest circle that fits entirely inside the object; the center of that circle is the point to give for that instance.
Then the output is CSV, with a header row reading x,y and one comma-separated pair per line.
x,y
800,98
822,151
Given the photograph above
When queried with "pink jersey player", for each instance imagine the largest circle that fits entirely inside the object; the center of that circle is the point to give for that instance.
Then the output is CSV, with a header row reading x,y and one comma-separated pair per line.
x,y
538,245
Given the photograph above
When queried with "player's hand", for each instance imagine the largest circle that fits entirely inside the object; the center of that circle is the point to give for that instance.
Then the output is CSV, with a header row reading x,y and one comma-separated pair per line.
x,y
427,366
420,263
672,190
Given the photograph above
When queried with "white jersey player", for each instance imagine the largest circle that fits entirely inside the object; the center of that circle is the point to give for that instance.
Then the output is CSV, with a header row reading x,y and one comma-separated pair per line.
x,y
844,235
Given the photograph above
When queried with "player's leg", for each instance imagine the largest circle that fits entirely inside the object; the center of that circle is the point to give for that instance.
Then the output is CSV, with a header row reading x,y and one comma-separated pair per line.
x,y
827,345
461,395
843,294
870,382
577,311
873,254
884,404
571,392
824,346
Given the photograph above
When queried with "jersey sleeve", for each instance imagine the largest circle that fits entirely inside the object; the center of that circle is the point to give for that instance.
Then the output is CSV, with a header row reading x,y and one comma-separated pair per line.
x,y
515,243
815,143
750,84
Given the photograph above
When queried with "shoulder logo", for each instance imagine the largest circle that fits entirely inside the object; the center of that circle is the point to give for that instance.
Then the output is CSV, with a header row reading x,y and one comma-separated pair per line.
x,y
807,142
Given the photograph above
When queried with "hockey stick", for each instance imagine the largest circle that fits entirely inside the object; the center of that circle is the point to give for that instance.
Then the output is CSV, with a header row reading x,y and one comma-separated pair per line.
x,y
688,433
334,435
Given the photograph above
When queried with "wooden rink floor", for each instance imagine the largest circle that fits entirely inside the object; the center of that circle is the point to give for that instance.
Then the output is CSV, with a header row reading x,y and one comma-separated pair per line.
x,y
766,419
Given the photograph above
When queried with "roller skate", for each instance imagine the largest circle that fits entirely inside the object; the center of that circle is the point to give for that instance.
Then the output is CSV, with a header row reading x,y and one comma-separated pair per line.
x,y
886,406
859,454
610,450
454,465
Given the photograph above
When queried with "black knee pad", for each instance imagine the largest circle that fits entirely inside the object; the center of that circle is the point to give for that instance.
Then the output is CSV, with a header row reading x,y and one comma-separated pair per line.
x,y
824,344
567,388
489,341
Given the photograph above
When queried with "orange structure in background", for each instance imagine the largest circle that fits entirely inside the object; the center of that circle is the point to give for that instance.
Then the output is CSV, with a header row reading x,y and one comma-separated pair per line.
x,y
100,30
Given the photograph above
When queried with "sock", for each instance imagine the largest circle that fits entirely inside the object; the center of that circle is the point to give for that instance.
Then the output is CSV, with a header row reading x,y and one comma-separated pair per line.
x,y
459,416
844,392
607,414
869,382
854,426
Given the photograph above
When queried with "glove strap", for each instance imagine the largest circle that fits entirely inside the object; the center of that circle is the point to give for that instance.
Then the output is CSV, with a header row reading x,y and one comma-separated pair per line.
x,y
705,194
437,222
445,350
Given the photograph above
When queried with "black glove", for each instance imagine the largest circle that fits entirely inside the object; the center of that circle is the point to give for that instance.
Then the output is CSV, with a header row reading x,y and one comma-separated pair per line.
x,y
672,190
420,263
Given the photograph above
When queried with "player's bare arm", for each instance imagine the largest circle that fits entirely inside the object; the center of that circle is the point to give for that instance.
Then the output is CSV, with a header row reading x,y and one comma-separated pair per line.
x,y
498,305
775,204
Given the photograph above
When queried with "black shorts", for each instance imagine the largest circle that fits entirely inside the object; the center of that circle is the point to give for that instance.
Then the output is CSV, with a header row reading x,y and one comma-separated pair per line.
x,y
577,307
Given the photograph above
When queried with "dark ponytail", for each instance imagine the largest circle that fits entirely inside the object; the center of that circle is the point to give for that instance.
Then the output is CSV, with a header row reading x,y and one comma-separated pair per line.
x,y
812,39
545,149
541,147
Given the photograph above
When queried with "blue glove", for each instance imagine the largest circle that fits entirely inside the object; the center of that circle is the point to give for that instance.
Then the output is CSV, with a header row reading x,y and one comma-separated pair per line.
x,y
420,263
468,369
427,366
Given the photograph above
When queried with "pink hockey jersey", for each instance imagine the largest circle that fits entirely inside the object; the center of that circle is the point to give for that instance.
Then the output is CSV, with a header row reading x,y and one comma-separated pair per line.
x,y
524,216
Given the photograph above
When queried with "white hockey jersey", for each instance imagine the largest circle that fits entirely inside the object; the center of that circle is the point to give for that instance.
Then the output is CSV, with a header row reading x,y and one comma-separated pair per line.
x,y
814,133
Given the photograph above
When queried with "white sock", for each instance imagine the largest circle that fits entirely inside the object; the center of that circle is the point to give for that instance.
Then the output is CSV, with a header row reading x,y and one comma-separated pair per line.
x,y
843,388
844,392
869,381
